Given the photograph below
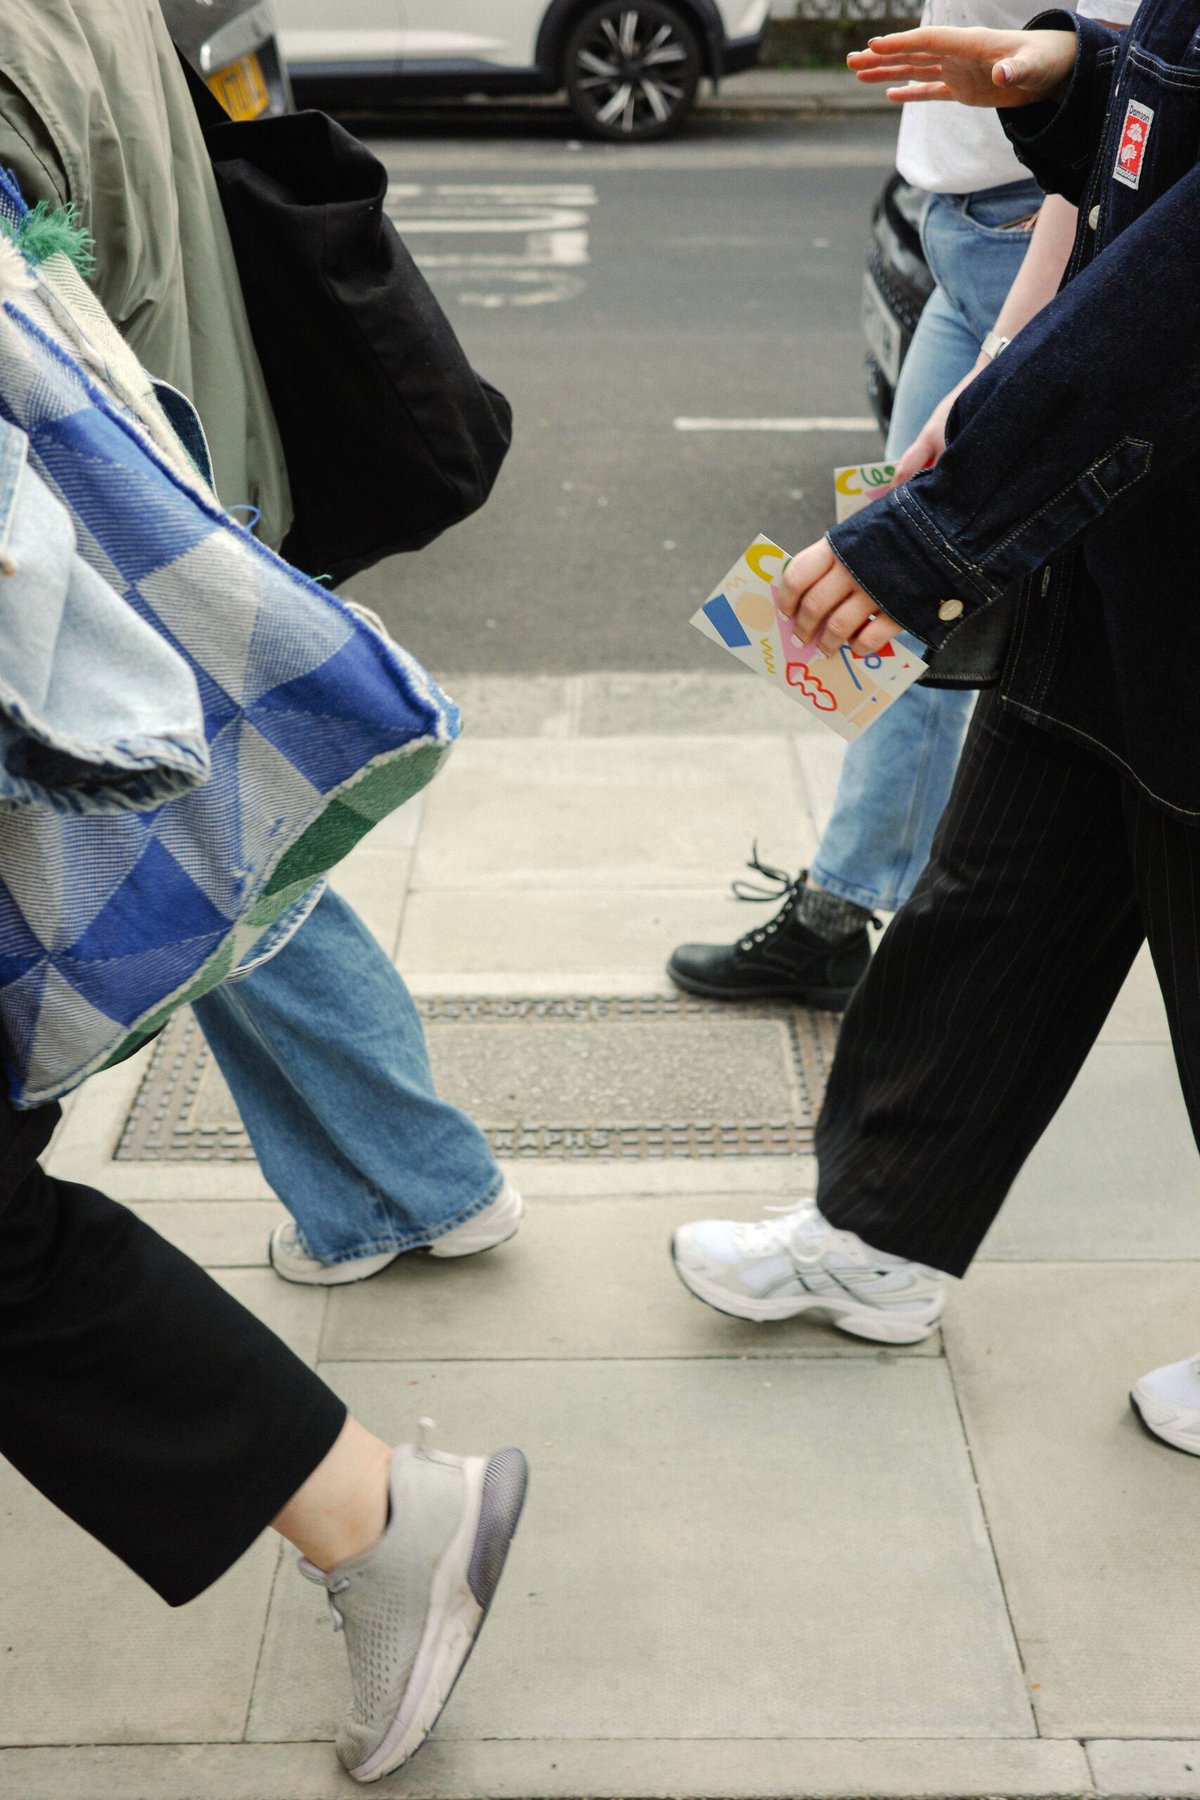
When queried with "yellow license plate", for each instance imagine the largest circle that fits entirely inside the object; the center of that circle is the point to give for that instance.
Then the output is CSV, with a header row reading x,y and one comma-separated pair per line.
x,y
241,89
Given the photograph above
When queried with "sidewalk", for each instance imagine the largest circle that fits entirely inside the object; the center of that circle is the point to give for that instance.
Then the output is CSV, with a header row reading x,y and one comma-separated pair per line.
x,y
780,92
771,1561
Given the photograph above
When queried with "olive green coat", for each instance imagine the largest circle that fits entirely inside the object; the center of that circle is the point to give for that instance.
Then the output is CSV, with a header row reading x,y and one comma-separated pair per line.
x,y
94,110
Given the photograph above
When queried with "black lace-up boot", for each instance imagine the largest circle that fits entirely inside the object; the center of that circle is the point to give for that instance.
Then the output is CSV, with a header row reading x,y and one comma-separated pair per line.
x,y
813,952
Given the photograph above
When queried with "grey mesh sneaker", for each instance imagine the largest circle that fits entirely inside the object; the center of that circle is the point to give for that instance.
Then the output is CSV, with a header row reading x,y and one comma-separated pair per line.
x,y
412,1606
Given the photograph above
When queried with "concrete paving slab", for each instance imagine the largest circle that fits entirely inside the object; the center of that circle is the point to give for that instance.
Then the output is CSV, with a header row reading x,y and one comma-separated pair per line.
x,y
626,983
612,813
681,702
375,882
88,1136
589,1278
718,1550
218,1234
294,1313
170,1182
84,1150
765,1770
756,1179
94,1656
401,828
820,761
1092,1519
91,1656
517,705
1116,1175
613,936
592,1076
1139,1016
796,90
1130,1769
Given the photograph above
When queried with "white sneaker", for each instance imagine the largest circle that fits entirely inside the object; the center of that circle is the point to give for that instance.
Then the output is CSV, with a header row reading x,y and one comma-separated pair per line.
x,y
799,1263
494,1225
1168,1403
412,1606
497,1222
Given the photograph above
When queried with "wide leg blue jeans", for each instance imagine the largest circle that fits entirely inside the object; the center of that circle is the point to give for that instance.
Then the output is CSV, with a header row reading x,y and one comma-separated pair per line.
x,y
896,778
324,1053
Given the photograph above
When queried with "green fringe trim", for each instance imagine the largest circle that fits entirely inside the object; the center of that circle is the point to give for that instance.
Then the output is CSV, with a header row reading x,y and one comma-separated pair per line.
x,y
45,231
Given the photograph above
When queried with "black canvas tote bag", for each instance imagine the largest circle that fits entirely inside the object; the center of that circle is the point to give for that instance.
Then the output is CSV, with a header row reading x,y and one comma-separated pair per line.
x,y
389,434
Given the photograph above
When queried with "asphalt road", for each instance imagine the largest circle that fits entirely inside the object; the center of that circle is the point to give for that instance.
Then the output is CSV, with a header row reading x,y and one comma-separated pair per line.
x,y
609,293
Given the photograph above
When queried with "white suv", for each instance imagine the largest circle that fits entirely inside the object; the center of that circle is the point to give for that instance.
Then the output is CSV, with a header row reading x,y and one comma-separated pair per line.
x,y
630,68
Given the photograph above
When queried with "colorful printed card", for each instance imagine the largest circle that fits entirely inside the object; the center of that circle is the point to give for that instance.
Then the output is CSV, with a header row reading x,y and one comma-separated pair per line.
x,y
848,691
856,486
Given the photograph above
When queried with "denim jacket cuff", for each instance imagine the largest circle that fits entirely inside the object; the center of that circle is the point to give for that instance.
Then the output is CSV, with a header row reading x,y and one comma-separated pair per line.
x,y
1055,138
897,555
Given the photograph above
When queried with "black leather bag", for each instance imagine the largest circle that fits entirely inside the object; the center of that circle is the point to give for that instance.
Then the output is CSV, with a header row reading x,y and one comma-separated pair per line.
x,y
390,435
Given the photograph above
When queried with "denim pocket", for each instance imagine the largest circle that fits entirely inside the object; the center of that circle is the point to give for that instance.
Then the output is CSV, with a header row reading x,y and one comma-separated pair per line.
x,y
1153,134
999,212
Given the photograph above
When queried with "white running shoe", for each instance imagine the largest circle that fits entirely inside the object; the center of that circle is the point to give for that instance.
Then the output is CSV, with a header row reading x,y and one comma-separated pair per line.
x,y
799,1263
494,1225
497,1222
412,1606
1168,1403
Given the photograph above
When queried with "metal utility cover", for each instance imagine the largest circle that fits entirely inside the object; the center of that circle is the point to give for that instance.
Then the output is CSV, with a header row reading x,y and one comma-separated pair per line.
x,y
564,1077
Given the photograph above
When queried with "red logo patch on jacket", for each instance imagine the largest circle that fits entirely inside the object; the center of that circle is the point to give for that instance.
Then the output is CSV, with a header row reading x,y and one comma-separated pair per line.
x,y
1134,138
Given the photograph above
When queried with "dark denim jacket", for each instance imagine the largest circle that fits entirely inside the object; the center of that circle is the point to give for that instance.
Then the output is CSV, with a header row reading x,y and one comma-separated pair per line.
x,y
1072,471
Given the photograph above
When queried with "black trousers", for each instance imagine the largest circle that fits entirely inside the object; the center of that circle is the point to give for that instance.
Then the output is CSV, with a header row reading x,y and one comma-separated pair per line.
x,y
134,1392
991,985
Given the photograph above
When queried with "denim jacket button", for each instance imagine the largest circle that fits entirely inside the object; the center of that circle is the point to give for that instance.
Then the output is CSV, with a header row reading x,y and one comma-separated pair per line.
x,y
950,609
1093,218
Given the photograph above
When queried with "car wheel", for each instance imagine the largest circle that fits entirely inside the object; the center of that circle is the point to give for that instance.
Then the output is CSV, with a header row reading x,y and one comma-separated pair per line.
x,y
631,70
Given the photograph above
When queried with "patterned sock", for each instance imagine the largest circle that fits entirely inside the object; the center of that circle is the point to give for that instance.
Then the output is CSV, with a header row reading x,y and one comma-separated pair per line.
x,y
828,916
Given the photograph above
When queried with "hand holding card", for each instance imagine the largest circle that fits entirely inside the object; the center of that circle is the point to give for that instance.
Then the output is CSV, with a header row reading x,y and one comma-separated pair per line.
x,y
749,616
829,607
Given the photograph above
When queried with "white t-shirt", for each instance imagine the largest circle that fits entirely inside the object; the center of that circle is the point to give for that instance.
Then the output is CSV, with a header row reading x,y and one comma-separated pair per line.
x,y
959,149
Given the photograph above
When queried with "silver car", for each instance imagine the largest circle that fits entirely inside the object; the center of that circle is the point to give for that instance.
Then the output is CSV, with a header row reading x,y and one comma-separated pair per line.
x,y
629,68
232,44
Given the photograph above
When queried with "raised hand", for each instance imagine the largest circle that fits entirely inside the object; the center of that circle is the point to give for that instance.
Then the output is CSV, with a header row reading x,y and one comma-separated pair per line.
x,y
973,66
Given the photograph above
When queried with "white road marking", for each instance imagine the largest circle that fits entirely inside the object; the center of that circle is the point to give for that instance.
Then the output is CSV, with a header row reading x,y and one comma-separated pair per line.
x,y
816,424
550,220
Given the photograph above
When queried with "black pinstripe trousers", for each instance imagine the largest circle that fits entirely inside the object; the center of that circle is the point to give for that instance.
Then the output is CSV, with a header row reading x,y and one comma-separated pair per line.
x,y
990,987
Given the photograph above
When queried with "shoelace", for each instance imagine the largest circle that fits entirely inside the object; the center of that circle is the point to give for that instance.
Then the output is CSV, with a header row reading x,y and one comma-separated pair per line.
x,y
338,1584
798,1231
785,888
781,881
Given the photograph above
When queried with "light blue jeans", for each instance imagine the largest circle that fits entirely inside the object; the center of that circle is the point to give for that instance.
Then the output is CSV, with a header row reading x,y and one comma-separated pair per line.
x,y
896,778
324,1052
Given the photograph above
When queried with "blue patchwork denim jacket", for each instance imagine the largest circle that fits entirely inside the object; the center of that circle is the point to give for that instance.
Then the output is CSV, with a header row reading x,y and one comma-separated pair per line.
x,y
97,711
1072,470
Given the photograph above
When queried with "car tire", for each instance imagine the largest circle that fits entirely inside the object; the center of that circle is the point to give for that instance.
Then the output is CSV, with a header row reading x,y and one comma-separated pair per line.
x,y
631,69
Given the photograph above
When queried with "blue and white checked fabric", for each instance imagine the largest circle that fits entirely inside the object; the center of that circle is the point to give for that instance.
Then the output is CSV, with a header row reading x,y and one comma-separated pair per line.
x,y
316,726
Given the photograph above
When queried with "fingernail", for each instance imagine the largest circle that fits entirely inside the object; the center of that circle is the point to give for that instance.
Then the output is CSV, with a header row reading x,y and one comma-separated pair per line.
x,y
1006,73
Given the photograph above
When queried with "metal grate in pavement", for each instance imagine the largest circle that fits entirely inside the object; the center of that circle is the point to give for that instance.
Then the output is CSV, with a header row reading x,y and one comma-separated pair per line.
x,y
561,1078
